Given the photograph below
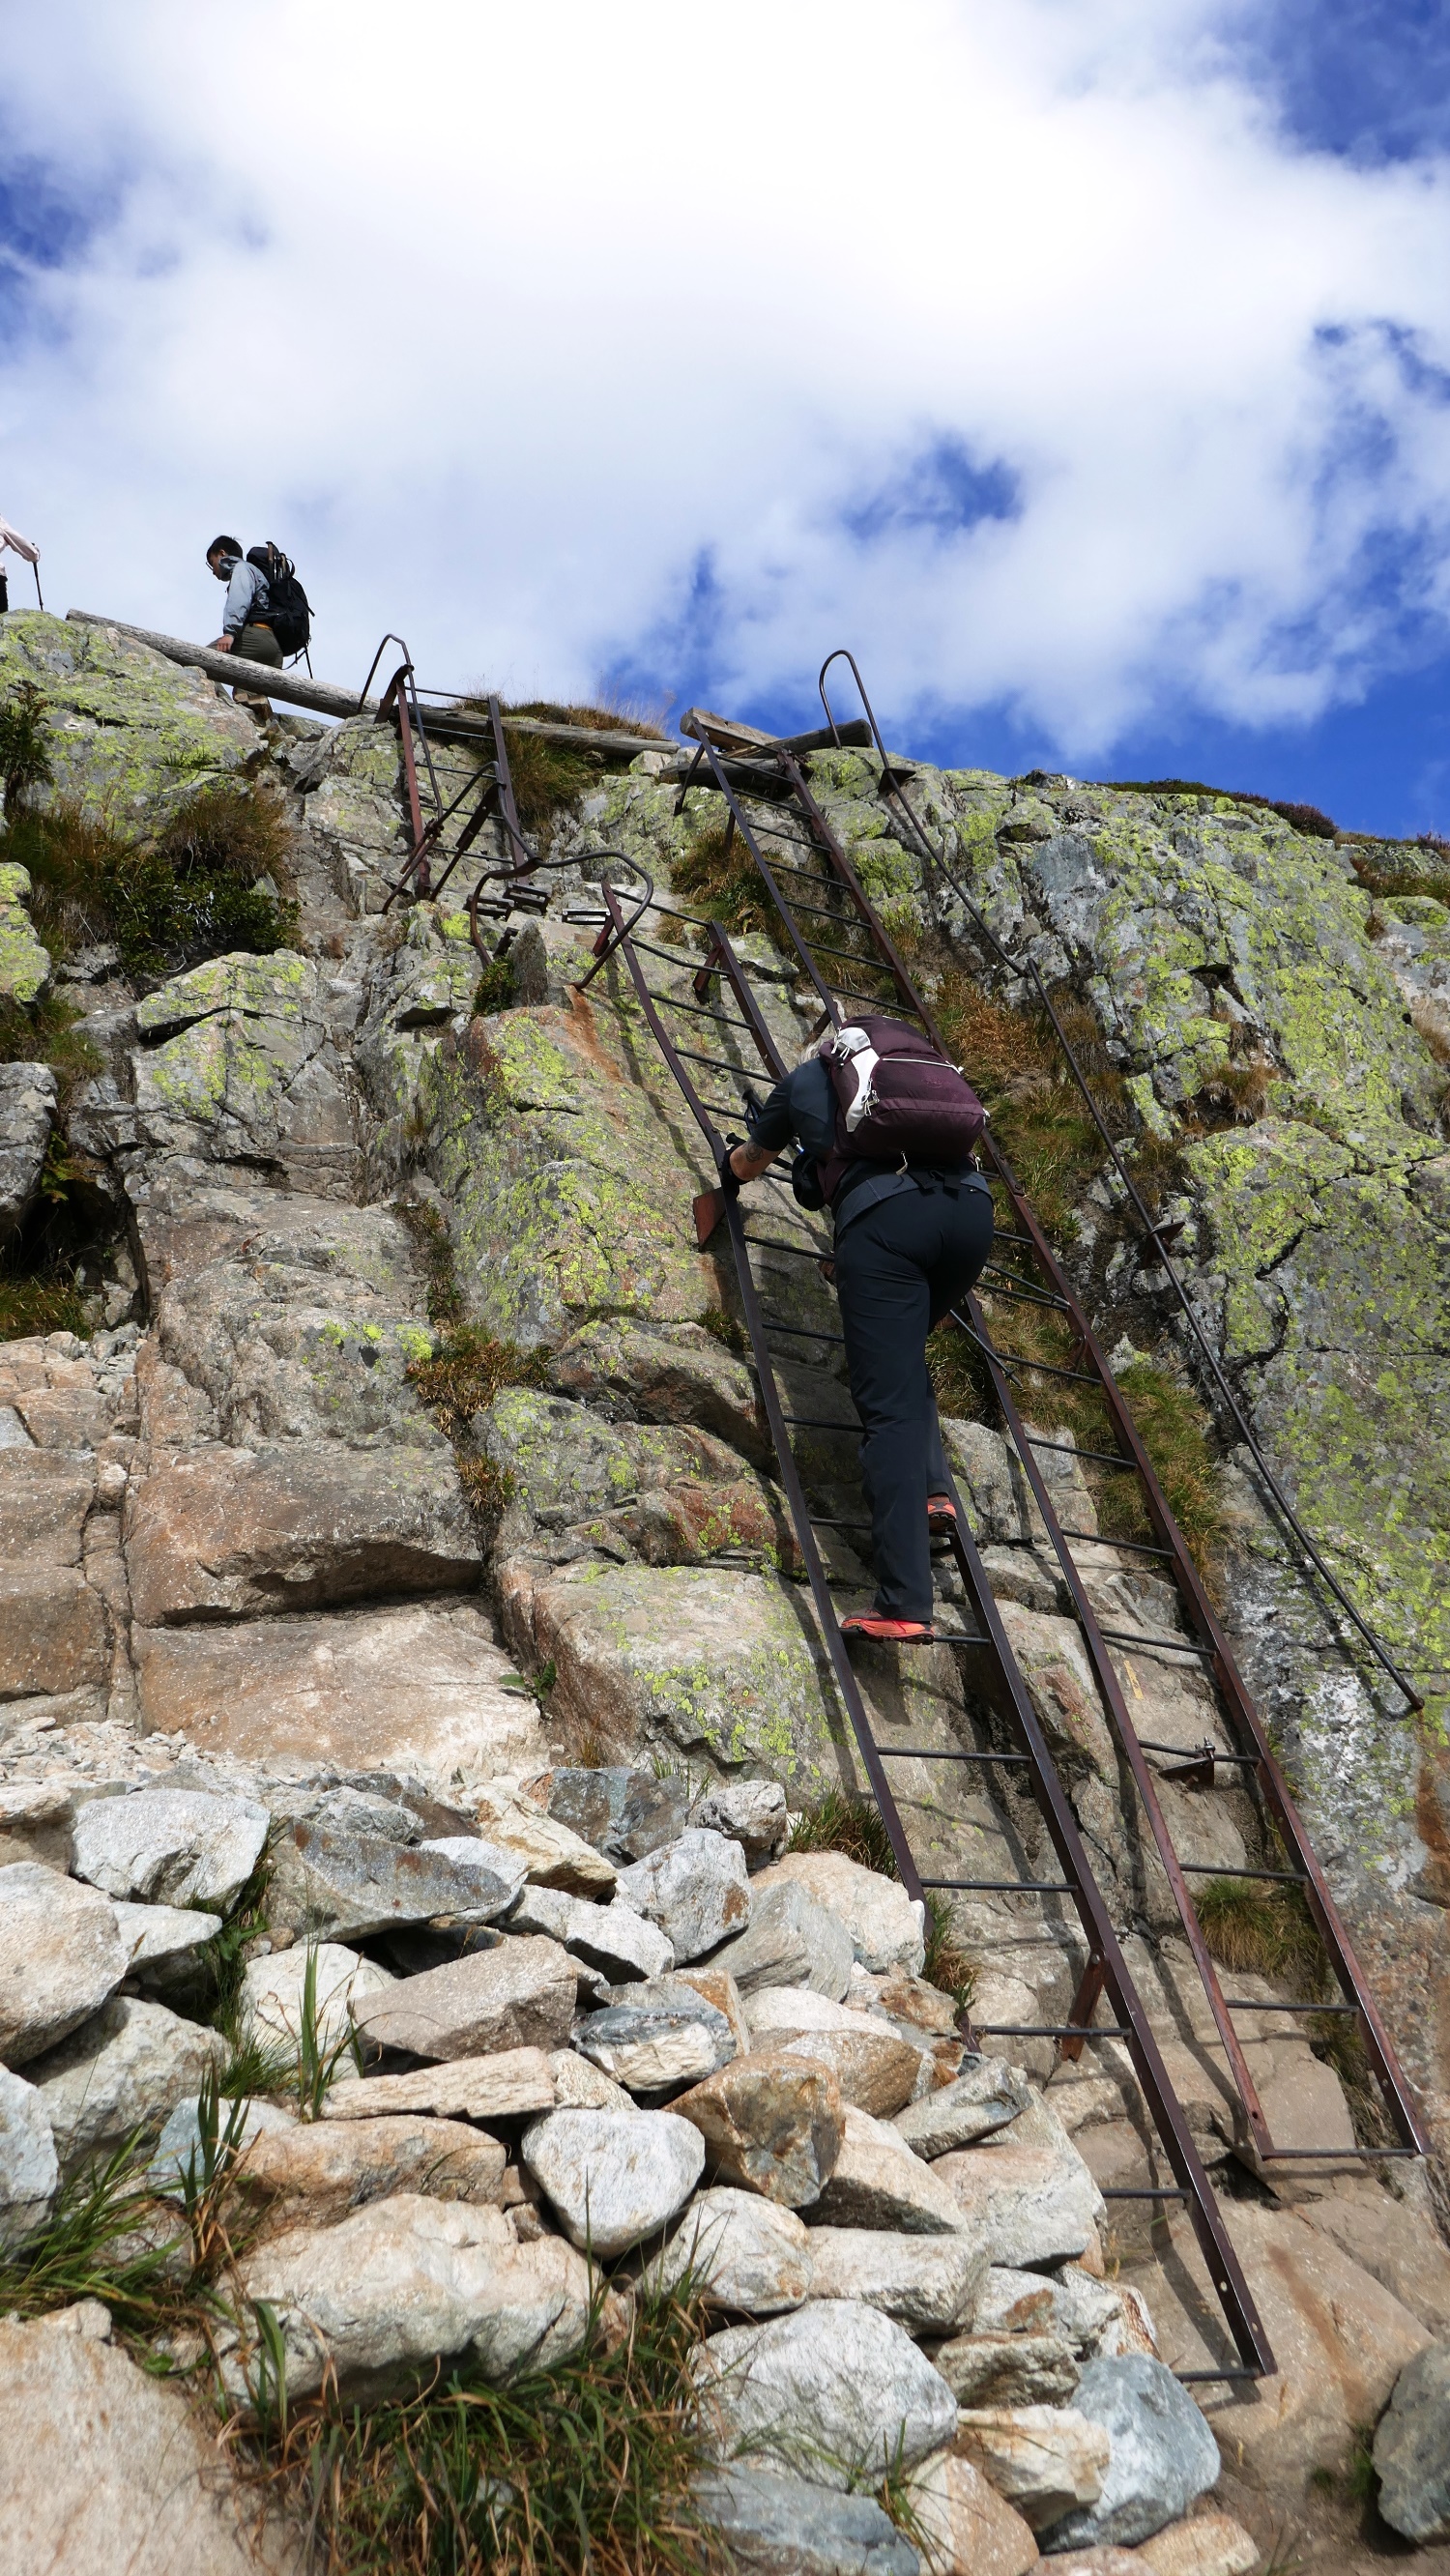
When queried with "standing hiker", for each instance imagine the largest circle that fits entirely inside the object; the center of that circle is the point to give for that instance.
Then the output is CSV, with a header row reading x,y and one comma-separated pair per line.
x,y
886,1129
246,625
22,546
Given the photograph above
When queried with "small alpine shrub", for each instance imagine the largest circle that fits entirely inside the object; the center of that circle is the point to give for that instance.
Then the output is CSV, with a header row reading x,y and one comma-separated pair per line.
x,y
25,739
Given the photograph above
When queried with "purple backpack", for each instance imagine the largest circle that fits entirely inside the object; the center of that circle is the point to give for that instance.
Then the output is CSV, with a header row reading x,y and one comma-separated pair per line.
x,y
897,1100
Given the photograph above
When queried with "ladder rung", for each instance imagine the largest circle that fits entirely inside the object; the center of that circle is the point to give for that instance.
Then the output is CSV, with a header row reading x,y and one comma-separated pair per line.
x,y
1328,2155
847,956
672,956
1151,2191
798,1251
929,1753
1199,1752
1069,1449
1135,1546
846,921
1140,1637
1015,1359
716,1063
1216,1869
818,1422
1020,1288
697,1011
1245,2003
1009,1886
904,1008
1051,2030
1183,2377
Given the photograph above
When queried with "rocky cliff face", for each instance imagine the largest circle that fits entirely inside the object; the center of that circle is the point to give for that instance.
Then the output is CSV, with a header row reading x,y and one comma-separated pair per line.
x,y
407,1380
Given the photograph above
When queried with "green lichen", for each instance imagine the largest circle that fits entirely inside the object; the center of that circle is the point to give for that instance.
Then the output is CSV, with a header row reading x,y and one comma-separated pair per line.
x,y
24,964
127,725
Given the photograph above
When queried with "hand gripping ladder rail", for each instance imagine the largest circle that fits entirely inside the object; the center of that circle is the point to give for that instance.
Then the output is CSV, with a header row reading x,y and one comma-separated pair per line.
x,y
859,946
994,1668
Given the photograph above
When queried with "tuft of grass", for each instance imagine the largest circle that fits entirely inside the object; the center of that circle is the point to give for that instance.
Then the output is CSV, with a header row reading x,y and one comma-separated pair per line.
x,y
1174,1429
112,2237
47,1032
258,2062
1240,1092
225,1955
840,1823
103,2241
1379,880
725,882
1361,2478
727,1329
946,1964
498,986
536,1686
430,1234
1304,818
40,1283
1309,819
488,1489
590,1749
212,876
1261,1931
318,2059
466,1373
30,1306
583,2470
547,776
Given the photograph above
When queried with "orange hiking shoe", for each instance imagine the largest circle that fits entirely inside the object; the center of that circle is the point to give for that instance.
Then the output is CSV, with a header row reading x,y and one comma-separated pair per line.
x,y
941,1515
889,1632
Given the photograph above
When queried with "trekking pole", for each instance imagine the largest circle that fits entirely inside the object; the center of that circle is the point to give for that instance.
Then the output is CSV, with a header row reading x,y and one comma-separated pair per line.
x,y
35,568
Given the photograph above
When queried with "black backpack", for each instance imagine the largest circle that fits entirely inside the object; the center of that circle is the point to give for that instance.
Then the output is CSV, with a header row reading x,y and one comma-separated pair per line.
x,y
288,613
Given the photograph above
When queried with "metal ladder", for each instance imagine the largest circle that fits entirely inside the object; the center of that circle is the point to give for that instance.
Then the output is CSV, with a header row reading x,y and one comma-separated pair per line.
x,y
994,1670
772,775
485,796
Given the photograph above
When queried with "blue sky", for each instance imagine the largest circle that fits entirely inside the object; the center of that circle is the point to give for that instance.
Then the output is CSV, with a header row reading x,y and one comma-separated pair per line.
x,y
1092,381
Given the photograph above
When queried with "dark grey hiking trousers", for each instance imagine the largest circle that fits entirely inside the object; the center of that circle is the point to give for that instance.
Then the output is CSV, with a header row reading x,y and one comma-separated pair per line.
x,y
899,1267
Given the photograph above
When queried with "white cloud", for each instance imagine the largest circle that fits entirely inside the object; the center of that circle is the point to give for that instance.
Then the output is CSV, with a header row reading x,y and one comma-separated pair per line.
x,y
503,321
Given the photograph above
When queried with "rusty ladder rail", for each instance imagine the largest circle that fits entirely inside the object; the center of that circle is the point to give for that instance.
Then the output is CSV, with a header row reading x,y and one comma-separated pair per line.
x,y
1107,1972
892,788
490,787
788,788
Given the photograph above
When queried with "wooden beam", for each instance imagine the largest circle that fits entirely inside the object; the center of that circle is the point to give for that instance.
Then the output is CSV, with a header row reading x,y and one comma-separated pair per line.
x,y
699,725
294,688
319,697
456,723
462,724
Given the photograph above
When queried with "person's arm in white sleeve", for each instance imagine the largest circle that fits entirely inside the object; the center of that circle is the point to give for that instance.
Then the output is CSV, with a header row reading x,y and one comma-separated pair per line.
x,y
19,545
